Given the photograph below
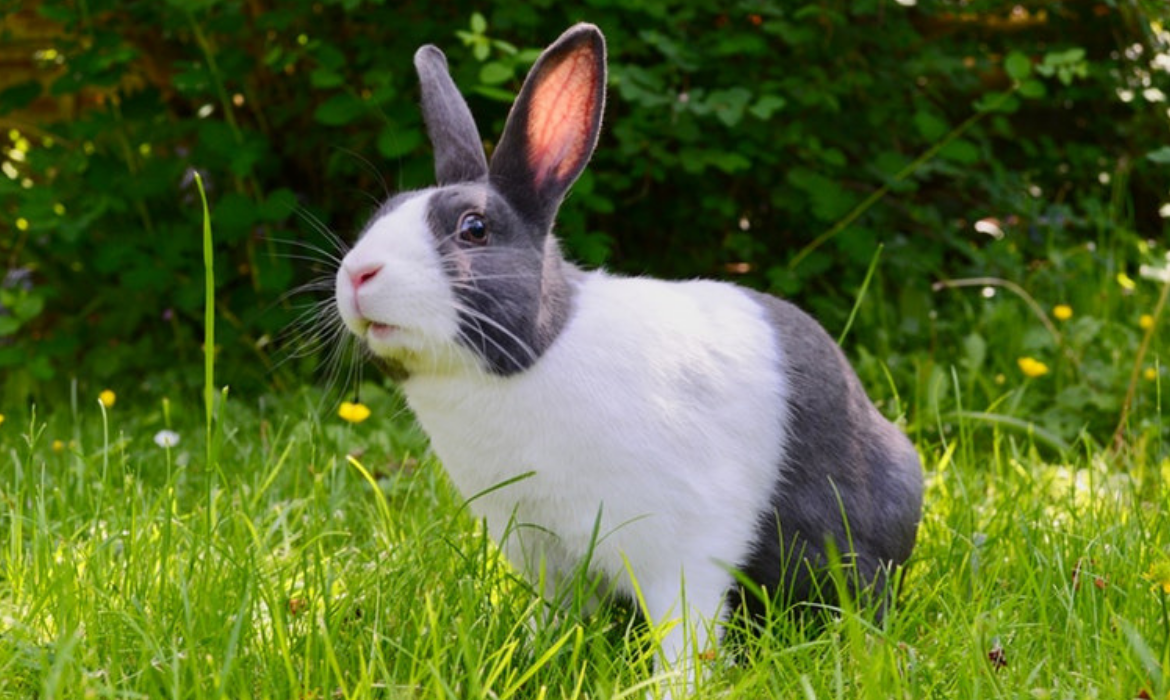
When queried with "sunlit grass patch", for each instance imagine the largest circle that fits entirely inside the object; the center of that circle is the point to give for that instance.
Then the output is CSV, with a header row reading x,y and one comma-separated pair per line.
x,y
288,572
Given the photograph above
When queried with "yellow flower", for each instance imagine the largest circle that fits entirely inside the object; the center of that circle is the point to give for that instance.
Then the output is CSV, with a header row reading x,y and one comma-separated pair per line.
x,y
1150,374
1159,575
353,412
1032,367
22,224
107,398
1,419
1146,322
58,446
1126,282
1062,312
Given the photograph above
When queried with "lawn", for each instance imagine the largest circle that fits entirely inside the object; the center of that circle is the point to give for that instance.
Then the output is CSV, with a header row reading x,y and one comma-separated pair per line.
x,y
278,547
324,559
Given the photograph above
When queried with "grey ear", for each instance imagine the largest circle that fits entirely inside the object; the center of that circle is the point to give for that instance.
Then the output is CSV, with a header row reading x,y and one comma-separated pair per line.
x,y
459,153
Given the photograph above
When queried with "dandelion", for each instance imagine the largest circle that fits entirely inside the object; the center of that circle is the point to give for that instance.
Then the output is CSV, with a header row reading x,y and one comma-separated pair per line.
x,y
107,398
1159,575
166,438
22,224
1032,367
1062,312
353,412
58,446
1146,322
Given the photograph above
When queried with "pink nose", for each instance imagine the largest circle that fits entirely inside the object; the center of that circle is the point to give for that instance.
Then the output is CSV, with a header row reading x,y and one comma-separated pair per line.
x,y
363,274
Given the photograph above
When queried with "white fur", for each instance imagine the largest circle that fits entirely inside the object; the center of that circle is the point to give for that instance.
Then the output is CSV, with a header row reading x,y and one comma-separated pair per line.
x,y
661,407
409,292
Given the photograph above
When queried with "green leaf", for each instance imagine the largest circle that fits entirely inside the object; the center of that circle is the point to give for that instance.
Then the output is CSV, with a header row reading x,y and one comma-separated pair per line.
x,y
1018,66
729,162
339,110
857,243
832,156
28,306
278,206
997,102
504,47
478,23
960,151
9,325
931,127
728,105
1032,89
766,106
495,73
828,200
494,93
329,57
325,78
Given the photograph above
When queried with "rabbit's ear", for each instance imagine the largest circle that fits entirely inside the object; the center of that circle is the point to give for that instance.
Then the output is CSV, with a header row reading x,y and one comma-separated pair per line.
x,y
458,150
553,126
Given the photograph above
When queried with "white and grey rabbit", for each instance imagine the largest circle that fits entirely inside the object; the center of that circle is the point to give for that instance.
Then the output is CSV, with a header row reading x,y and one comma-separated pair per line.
x,y
666,433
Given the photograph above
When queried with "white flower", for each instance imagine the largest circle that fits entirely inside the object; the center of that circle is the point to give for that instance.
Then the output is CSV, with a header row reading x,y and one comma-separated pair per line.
x,y
166,438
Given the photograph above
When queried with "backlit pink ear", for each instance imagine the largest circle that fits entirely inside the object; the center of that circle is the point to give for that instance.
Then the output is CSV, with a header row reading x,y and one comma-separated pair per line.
x,y
553,126
563,115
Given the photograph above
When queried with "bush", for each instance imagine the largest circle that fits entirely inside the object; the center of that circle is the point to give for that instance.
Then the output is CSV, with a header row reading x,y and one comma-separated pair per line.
x,y
775,143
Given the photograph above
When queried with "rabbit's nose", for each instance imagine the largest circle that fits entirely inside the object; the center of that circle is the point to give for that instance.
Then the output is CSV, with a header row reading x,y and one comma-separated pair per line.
x,y
364,274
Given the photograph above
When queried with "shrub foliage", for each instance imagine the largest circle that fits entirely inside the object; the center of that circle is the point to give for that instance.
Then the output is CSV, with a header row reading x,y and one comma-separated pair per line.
x,y
772,142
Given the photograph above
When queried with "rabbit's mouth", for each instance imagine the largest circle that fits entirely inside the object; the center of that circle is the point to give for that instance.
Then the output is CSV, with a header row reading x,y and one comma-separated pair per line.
x,y
381,331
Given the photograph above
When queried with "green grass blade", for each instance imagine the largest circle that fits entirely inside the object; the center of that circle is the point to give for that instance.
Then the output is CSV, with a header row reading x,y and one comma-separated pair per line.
x,y
208,316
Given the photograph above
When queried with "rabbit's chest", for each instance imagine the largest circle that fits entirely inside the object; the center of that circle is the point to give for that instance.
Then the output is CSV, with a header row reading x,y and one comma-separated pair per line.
x,y
659,414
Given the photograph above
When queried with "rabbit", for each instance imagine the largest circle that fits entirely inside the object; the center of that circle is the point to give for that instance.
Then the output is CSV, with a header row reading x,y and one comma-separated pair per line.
x,y
669,437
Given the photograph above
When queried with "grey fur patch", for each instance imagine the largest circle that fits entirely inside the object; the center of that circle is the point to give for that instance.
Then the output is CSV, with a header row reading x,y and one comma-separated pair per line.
x,y
515,292
851,480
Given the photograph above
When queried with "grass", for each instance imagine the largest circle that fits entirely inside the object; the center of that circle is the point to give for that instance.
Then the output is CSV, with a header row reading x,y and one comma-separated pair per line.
x,y
131,570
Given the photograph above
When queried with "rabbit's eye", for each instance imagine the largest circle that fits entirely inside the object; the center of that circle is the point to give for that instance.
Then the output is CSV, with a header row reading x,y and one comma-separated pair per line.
x,y
473,229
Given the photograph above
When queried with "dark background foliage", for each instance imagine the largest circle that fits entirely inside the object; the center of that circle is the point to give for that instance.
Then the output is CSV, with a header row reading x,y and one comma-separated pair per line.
x,y
771,142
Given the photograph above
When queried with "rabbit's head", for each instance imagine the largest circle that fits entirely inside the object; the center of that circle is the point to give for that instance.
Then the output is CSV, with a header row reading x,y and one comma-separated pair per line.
x,y
468,272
